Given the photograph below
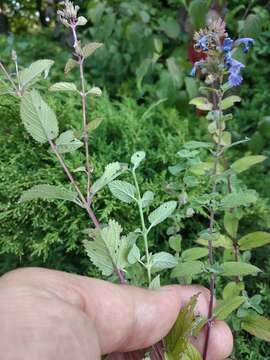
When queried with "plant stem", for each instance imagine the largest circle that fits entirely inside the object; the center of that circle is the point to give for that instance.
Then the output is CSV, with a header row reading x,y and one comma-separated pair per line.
x,y
8,76
145,233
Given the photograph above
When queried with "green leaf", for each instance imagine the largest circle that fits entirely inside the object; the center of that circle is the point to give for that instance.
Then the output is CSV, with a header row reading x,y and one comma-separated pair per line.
x,y
108,250
189,268
254,240
112,171
191,87
191,145
123,191
137,158
90,48
162,213
197,11
93,125
201,103
147,198
142,71
237,268
243,198
252,26
155,283
226,307
38,118
229,102
71,64
30,74
81,21
191,353
174,71
246,162
201,168
232,289
194,254
175,242
94,91
134,255
258,326
63,86
162,261
49,192
170,26
231,223
218,241
67,142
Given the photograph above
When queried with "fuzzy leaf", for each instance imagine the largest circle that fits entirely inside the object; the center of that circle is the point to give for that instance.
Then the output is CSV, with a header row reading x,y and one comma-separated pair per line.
x,y
231,223
258,326
123,190
90,48
254,240
67,142
162,261
234,200
63,86
237,268
94,124
194,254
232,289
137,158
112,171
189,268
134,255
191,145
71,64
246,162
81,21
30,74
201,168
49,192
229,101
162,213
95,91
226,307
155,283
38,118
175,242
201,103
147,198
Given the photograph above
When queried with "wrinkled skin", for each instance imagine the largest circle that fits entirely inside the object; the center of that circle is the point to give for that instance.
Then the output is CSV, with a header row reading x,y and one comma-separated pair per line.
x,y
51,315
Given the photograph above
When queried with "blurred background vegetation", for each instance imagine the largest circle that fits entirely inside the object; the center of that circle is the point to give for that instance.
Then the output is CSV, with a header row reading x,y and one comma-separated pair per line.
x,y
143,70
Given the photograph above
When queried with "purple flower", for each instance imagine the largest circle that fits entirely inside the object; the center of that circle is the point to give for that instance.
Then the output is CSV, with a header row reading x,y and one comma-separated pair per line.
x,y
248,42
227,45
235,67
203,43
195,66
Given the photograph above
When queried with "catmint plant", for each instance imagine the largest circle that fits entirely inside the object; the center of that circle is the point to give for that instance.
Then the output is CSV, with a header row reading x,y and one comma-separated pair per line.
x,y
211,188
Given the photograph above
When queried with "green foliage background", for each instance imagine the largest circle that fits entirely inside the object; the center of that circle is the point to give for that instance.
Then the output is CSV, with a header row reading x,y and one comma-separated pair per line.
x,y
50,234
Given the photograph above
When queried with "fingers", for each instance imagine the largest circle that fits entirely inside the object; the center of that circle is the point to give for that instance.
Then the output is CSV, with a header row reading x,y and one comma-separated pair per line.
x,y
126,318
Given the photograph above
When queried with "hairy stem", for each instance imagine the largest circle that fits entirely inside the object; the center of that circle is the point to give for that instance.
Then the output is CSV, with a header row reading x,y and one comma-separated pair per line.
x,y
8,77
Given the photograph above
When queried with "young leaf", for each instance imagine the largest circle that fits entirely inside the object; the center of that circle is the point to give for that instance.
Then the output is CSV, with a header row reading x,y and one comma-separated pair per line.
x,y
134,255
95,91
162,261
226,307
194,254
38,118
258,326
93,125
237,268
254,240
189,268
243,198
147,198
232,289
49,192
231,223
90,48
63,86
67,142
123,191
112,171
201,103
81,21
137,158
175,242
155,283
71,64
30,74
246,162
229,101
162,213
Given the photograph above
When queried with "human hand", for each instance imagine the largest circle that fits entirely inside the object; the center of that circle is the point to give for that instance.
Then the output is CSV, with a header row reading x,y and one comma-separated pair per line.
x,y
52,315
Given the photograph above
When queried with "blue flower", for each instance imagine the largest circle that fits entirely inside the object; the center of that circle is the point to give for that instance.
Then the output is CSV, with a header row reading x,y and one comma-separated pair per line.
x,y
195,66
248,42
227,45
235,67
202,43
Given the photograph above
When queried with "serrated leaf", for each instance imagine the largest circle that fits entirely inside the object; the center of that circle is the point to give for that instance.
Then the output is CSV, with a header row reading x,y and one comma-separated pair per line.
x,y
243,198
90,48
134,255
201,103
175,242
237,268
162,261
123,191
231,223
189,268
93,125
194,254
108,250
155,283
246,162
254,240
147,198
63,86
226,307
38,118
71,64
67,142
137,158
258,326
30,74
112,171
49,192
232,289
229,101
162,213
